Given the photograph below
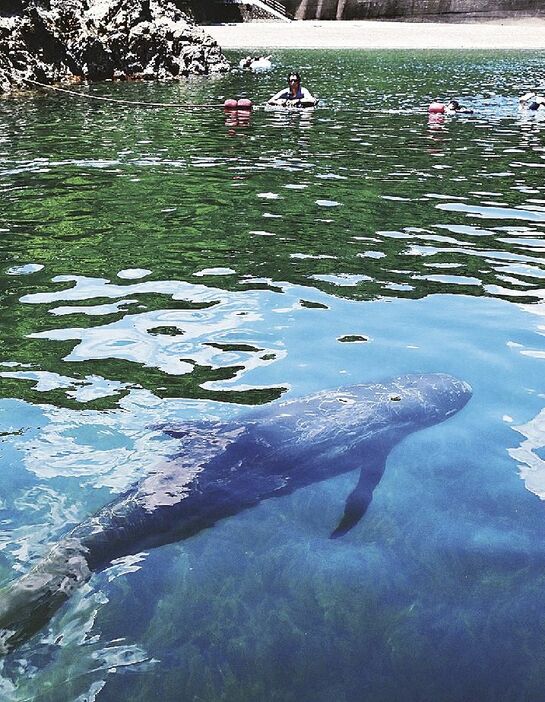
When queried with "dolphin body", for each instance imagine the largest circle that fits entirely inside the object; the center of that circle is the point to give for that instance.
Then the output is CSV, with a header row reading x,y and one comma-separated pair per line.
x,y
224,468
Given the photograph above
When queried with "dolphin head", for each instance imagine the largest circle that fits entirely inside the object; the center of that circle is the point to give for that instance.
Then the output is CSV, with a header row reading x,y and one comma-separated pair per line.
x,y
381,412
427,399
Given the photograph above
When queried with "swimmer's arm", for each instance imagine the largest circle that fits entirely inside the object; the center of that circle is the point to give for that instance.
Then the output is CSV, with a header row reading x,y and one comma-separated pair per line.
x,y
308,98
277,99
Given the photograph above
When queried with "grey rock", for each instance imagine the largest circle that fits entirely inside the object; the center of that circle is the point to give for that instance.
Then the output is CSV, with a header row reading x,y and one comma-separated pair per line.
x,y
88,40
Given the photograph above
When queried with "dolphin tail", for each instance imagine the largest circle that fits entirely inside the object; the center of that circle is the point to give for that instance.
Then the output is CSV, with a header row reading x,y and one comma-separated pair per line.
x,y
27,604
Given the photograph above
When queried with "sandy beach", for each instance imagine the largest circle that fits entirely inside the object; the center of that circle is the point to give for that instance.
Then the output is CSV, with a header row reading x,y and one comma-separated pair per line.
x,y
504,34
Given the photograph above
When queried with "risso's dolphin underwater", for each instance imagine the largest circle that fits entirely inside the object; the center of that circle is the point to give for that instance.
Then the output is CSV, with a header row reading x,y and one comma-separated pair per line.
x,y
224,468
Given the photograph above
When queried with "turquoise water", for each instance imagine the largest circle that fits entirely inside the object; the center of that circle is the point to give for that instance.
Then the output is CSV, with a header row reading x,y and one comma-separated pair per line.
x,y
170,265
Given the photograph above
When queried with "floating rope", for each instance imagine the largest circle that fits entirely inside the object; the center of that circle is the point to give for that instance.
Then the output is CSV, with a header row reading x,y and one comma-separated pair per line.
x,y
142,103
119,101
193,106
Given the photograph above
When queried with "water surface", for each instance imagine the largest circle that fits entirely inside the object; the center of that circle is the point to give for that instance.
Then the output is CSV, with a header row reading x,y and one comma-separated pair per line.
x,y
167,265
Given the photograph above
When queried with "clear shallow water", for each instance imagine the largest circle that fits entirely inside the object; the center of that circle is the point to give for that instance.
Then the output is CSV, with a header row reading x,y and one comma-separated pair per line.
x,y
169,265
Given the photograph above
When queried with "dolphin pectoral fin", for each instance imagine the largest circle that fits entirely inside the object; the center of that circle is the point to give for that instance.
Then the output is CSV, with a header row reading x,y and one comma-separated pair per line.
x,y
356,506
359,499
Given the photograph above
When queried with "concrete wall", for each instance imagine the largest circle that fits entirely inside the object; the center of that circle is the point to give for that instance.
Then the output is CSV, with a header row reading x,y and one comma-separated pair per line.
x,y
432,10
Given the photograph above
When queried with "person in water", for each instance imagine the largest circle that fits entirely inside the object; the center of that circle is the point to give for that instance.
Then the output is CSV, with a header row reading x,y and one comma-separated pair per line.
x,y
249,60
532,101
295,95
454,106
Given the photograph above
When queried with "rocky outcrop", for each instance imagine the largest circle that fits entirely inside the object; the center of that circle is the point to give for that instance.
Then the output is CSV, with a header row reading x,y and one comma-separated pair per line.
x,y
432,10
224,11
57,40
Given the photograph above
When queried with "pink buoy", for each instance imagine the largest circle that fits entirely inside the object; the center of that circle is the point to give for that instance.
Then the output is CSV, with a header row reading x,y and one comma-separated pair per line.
x,y
244,104
436,107
230,104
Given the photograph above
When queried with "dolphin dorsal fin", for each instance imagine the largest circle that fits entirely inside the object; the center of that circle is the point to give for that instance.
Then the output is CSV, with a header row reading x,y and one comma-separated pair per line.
x,y
360,498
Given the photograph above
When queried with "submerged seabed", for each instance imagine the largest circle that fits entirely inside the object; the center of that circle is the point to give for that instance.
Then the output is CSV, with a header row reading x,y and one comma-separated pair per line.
x,y
162,266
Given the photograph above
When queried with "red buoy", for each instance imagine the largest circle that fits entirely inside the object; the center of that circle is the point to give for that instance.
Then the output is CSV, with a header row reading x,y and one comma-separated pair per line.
x,y
244,104
230,104
436,107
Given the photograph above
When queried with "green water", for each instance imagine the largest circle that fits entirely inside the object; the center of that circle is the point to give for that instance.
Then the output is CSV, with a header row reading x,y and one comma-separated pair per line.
x,y
91,189
167,264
